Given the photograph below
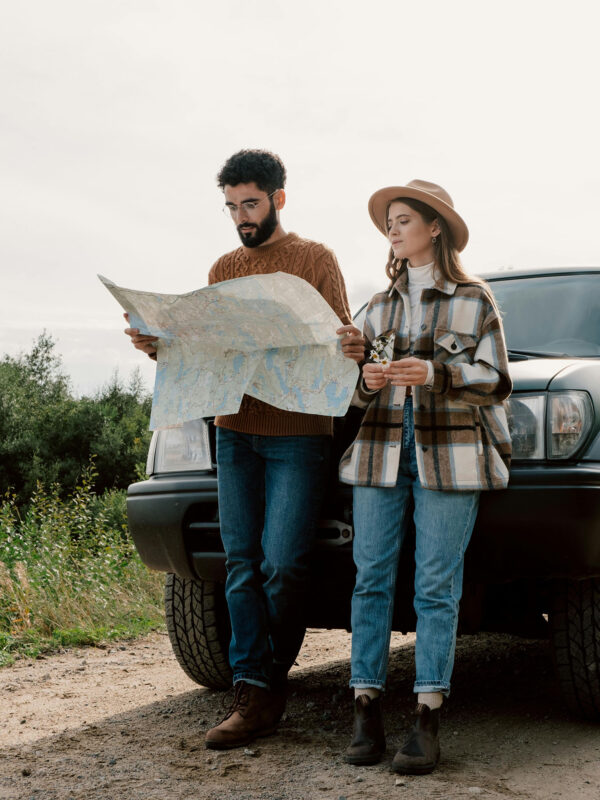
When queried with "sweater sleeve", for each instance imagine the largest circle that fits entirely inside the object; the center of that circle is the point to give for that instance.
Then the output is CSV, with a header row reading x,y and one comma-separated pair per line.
x,y
328,280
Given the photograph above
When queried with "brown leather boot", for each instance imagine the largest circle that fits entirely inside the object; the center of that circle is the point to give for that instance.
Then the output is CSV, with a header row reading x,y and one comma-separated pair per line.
x,y
420,753
368,740
254,712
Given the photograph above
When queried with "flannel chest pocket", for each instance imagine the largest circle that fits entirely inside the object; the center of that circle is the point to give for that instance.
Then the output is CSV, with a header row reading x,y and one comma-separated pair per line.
x,y
452,346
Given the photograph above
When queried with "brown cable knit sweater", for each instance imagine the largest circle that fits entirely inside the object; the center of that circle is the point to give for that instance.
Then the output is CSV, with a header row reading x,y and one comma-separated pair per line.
x,y
316,264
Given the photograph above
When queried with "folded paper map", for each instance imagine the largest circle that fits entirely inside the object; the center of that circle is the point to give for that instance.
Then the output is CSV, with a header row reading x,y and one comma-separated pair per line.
x,y
268,336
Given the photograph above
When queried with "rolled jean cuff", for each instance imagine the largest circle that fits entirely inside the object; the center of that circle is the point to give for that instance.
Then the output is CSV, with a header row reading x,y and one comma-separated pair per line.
x,y
363,683
423,687
255,680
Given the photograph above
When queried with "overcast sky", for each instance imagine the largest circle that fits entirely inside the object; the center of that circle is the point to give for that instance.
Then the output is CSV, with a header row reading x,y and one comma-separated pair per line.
x,y
116,116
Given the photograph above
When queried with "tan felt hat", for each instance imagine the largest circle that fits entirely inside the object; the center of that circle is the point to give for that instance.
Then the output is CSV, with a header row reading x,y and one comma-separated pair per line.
x,y
429,193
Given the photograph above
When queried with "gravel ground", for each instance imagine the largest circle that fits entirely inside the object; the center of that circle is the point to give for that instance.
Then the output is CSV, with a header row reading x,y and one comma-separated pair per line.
x,y
125,721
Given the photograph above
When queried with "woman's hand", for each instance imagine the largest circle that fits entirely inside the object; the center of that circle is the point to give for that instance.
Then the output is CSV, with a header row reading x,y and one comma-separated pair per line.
x,y
407,372
374,376
353,343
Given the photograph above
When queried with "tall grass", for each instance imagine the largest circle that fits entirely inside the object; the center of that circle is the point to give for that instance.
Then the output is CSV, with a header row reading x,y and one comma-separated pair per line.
x,y
69,573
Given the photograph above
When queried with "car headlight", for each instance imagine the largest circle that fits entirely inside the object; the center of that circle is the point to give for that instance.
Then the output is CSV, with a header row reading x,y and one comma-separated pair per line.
x,y
526,414
180,449
569,421
552,425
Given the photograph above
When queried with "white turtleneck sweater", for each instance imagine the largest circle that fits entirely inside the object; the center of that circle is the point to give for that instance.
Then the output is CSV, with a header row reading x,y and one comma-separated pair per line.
x,y
419,278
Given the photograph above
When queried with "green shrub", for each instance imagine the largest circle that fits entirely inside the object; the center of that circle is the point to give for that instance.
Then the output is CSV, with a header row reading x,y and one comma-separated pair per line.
x,y
69,573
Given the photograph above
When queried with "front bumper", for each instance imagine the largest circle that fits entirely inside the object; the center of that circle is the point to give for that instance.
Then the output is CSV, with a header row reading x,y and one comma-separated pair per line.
x,y
171,517
545,525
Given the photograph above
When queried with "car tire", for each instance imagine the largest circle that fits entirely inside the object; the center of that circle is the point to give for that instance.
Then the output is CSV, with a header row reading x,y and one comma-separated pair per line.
x,y
199,629
575,628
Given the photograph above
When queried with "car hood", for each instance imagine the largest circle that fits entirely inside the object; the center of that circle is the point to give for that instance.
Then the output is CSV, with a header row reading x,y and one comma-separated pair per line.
x,y
536,374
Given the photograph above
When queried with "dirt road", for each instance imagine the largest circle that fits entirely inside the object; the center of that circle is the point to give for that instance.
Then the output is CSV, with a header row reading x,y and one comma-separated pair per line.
x,y
125,722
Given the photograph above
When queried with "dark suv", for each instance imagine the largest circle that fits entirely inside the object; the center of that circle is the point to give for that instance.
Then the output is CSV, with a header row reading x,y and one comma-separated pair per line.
x,y
533,566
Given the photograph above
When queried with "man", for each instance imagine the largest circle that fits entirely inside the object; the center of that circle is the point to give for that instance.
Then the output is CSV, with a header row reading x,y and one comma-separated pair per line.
x,y
272,464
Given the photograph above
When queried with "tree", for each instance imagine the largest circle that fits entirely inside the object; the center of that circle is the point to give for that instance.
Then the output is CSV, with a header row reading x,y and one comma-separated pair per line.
x,y
48,435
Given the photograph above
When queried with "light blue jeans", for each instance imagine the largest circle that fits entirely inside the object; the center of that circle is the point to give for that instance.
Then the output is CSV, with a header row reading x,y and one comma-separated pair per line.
x,y
444,522
270,491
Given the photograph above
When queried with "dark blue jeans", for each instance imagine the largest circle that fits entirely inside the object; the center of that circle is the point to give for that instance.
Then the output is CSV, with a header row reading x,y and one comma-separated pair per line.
x,y
270,490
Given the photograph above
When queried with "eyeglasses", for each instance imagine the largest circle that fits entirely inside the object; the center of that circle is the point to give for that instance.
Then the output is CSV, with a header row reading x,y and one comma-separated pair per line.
x,y
248,205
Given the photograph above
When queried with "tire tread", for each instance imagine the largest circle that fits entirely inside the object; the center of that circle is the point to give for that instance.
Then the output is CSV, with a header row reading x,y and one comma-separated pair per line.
x,y
575,626
199,629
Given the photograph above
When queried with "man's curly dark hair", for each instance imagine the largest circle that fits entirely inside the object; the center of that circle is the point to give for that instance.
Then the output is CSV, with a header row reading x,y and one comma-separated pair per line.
x,y
261,167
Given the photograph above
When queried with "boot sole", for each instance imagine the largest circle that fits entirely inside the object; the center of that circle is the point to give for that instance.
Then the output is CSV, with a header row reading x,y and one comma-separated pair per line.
x,y
420,770
211,745
363,761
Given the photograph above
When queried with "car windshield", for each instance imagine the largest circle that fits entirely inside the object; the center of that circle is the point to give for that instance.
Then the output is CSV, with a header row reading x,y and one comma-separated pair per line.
x,y
551,314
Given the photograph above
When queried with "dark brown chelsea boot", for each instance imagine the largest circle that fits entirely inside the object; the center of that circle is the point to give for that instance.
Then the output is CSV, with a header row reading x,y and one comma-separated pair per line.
x,y
420,753
368,740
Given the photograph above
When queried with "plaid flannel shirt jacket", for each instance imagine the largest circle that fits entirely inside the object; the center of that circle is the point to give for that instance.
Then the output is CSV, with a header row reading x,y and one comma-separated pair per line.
x,y
461,429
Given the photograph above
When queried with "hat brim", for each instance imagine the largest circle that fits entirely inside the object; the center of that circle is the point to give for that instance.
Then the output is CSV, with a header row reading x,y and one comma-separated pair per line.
x,y
379,202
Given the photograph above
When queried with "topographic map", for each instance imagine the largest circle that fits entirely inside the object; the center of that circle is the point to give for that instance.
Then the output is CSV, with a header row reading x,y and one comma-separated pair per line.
x,y
268,336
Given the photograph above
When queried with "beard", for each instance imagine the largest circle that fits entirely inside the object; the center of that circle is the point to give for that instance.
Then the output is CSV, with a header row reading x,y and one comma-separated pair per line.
x,y
260,232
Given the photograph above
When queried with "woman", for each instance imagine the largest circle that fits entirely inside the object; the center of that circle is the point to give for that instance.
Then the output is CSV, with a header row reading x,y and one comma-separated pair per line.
x,y
434,429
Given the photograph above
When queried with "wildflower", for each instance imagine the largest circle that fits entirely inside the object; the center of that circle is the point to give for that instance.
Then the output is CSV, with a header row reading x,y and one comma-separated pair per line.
x,y
382,349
